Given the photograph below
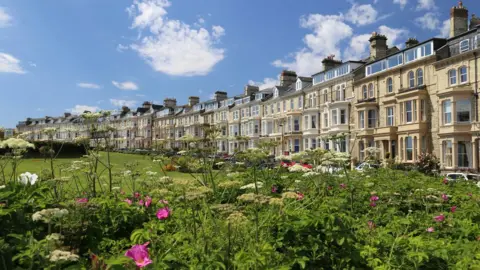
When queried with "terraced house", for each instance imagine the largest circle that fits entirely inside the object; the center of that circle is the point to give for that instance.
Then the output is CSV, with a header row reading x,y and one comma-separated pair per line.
x,y
420,99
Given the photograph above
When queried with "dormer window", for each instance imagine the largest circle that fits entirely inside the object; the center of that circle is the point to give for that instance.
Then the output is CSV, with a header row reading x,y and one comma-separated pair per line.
x,y
299,85
464,45
275,93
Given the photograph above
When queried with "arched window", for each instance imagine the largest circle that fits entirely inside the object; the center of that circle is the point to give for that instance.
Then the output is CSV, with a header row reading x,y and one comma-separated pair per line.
x,y
419,77
370,90
452,75
390,85
411,79
364,92
463,74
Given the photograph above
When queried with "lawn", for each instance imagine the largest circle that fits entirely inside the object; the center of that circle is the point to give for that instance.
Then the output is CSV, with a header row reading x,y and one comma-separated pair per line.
x,y
118,161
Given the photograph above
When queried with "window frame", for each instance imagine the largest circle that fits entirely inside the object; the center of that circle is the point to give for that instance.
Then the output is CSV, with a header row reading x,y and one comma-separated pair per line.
x,y
372,120
447,155
462,48
364,92
334,117
411,79
390,117
462,75
407,111
445,113
361,119
389,85
409,157
371,90
452,77
469,111
343,116
420,77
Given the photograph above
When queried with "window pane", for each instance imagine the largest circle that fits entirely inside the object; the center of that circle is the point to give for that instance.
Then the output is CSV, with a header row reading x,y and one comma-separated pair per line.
x,y
453,76
463,74
371,118
447,112
389,85
463,108
409,148
408,111
411,79
361,119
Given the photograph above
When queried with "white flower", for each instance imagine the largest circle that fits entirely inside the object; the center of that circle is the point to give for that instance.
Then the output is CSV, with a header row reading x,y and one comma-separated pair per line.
x,y
282,157
127,173
28,178
284,177
220,163
298,168
240,163
233,174
15,143
298,181
252,185
115,188
2,187
60,255
478,184
149,173
46,215
310,174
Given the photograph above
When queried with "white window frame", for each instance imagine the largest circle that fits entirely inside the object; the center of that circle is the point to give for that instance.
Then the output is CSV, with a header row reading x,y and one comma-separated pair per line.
x,y
390,117
411,79
361,119
463,75
407,111
446,112
464,45
469,110
334,117
371,90
420,77
452,77
389,85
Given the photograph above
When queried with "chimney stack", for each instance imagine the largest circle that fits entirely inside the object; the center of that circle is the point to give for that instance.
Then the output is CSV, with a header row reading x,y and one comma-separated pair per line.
x,y
220,95
192,100
411,42
147,105
66,115
288,77
458,19
474,22
378,46
250,89
169,102
125,109
329,62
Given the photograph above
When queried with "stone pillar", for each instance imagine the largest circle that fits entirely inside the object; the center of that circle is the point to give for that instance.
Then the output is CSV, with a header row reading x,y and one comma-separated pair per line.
x,y
454,154
475,154
389,143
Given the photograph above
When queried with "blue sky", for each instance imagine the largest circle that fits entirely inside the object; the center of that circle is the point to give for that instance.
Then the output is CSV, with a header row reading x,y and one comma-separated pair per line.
x,y
58,56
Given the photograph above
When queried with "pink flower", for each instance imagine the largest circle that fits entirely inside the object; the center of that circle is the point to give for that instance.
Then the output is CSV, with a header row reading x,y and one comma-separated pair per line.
x,y
137,195
445,181
139,253
148,201
82,200
453,209
445,197
374,198
127,200
373,204
163,201
140,202
274,189
430,230
371,224
163,213
300,196
439,218
343,186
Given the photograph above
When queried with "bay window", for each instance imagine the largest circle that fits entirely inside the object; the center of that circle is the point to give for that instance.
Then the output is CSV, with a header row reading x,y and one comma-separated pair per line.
x,y
411,79
370,90
314,121
409,148
334,117
371,118
305,122
447,112
361,119
390,117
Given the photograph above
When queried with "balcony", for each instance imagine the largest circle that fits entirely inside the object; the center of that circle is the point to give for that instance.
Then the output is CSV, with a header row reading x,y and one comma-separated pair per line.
x,y
413,127
386,133
456,128
310,131
366,102
366,132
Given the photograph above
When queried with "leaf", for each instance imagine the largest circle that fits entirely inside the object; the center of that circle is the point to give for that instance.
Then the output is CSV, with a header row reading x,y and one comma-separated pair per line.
x,y
341,241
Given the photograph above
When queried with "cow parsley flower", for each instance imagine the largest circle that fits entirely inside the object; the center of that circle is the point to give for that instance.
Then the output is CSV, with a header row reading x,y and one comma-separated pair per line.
x,y
252,186
46,215
60,255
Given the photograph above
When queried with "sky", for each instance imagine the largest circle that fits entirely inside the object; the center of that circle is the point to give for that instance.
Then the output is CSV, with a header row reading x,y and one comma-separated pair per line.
x,y
61,56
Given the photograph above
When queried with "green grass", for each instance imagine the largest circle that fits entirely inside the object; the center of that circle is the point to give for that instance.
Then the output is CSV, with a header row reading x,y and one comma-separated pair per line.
x,y
118,161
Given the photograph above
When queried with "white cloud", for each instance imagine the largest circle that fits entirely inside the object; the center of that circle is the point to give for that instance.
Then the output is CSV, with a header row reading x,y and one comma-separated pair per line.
x,y
358,48
402,3
122,102
361,14
125,85
5,19
172,46
139,95
426,5
445,29
88,85
10,64
394,35
267,83
121,48
217,31
201,20
428,21
79,109
328,32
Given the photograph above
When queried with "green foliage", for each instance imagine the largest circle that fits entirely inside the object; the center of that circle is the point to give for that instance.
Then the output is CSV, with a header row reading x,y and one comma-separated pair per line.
x,y
225,219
